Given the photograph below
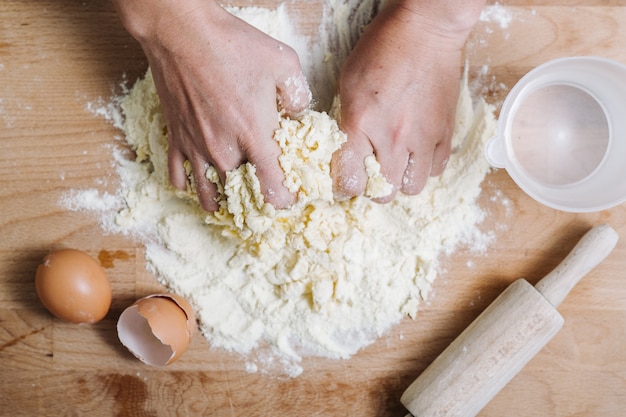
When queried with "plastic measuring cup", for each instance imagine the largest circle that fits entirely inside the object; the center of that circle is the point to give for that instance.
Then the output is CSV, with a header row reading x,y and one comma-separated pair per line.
x,y
561,134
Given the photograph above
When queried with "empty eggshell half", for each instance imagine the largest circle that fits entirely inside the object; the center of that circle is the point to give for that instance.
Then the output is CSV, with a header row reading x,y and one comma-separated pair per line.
x,y
157,329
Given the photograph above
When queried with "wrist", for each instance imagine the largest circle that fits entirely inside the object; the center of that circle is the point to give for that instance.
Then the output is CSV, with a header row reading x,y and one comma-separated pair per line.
x,y
452,19
146,20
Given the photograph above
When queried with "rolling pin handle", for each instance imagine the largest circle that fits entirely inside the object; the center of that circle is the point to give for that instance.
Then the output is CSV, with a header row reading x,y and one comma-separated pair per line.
x,y
594,246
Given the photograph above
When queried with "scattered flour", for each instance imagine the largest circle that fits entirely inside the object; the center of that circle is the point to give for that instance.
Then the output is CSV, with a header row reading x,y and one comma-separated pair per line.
x,y
90,199
497,13
322,278
107,110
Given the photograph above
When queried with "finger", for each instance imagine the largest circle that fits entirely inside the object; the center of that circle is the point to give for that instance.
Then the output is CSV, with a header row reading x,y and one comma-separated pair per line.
x,y
175,165
393,163
271,178
418,168
347,167
294,95
206,190
270,174
225,157
415,174
441,155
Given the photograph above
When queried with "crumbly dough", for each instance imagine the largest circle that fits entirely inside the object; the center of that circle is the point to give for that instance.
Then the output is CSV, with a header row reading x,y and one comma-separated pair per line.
x,y
320,278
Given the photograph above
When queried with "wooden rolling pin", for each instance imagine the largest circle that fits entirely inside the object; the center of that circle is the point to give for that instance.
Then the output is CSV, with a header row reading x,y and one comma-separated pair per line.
x,y
510,332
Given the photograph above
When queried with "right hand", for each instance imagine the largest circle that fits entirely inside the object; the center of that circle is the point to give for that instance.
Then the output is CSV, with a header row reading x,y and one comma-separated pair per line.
x,y
218,80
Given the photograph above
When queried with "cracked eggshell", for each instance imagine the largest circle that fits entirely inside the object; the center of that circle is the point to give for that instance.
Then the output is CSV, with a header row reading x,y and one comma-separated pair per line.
x,y
157,329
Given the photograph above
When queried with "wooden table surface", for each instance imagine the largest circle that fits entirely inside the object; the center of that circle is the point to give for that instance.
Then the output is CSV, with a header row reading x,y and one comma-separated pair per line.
x,y
58,57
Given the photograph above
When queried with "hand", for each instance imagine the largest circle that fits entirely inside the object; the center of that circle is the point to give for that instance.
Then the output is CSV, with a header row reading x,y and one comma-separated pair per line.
x,y
219,80
398,89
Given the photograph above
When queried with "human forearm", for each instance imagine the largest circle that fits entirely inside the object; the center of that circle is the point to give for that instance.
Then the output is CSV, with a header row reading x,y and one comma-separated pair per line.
x,y
455,15
147,19
446,18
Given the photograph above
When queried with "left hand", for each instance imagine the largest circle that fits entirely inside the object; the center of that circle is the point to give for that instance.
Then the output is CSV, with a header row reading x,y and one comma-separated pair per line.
x,y
399,90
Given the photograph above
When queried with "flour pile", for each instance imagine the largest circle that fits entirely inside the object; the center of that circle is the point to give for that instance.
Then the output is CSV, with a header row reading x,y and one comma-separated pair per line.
x,y
322,278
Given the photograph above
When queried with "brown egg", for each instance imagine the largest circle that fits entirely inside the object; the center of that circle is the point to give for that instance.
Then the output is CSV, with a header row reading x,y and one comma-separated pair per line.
x,y
157,329
73,286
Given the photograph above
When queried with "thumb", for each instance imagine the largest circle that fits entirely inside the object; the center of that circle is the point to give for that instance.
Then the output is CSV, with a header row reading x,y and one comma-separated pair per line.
x,y
294,94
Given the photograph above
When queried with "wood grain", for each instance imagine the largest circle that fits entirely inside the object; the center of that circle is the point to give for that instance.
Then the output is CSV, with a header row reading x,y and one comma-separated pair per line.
x,y
58,57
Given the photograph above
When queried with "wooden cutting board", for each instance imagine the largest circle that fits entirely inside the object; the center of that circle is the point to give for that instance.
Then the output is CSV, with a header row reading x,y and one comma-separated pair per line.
x,y
58,58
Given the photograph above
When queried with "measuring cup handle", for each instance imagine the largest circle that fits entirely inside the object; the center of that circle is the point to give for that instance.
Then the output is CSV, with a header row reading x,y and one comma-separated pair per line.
x,y
495,153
